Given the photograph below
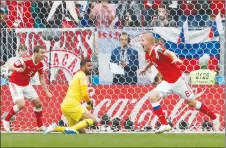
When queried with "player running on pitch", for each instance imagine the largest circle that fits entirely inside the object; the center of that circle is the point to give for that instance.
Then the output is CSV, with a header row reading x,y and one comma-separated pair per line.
x,y
23,69
173,81
77,116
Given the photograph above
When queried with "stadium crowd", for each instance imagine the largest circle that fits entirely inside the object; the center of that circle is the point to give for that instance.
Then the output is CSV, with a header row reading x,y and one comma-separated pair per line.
x,y
114,13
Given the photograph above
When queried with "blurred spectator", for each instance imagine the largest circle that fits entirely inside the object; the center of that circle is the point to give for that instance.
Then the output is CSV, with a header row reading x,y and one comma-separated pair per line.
x,y
7,37
84,11
2,62
162,19
39,13
197,13
19,14
3,3
203,76
128,59
129,13
3,17
67,13
103,14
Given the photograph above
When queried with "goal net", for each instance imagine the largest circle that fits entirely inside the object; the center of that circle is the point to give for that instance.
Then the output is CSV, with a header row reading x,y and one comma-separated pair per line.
x,y
121,96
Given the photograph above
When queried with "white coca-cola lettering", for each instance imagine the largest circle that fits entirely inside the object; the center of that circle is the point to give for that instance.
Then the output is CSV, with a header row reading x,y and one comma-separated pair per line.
x,y
175,112
122,106
141,112
105,102
138,106
141,118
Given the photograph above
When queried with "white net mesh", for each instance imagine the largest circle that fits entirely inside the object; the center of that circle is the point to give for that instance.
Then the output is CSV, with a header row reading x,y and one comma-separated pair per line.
x,y
71,31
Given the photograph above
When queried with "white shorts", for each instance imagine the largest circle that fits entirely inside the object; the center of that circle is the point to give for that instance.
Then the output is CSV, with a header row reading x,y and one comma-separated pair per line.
x,y
19,92
180,87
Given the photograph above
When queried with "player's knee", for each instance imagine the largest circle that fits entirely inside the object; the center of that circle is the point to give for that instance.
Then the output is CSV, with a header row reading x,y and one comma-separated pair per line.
x,y
191,103
154,97
20,104
37,103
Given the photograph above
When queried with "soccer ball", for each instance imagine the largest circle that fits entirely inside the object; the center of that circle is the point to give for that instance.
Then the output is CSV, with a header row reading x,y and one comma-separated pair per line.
x,y
5,72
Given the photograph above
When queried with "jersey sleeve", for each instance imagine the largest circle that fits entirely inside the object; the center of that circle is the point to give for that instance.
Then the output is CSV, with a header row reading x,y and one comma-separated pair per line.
x,y
40,71
19,63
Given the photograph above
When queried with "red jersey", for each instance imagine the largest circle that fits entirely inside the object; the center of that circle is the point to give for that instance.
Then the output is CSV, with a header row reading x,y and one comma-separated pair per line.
x,y
169,71
30,68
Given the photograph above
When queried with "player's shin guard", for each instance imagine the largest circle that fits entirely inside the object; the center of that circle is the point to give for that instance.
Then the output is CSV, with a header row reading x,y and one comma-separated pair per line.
x,y
158,111
83,124
12,112
204,109
38,114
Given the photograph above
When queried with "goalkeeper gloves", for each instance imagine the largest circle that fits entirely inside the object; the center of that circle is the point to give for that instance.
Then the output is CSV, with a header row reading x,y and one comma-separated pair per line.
x,y
90,104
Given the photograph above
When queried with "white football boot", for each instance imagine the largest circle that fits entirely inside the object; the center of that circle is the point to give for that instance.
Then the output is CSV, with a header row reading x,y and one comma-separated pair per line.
x,y
163,128
216,123
41,129
50,128
6,125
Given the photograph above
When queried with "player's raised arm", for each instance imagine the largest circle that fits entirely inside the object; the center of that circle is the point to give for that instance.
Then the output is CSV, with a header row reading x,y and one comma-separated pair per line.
x,y
17,66
43,83
142,72
173,56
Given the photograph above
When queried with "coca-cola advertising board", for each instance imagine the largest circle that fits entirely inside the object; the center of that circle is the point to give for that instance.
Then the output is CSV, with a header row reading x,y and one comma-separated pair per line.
x,y
123,101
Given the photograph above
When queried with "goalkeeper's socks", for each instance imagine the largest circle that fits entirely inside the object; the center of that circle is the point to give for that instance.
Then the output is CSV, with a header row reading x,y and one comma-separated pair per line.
x,y
82,124
59,129
12,112
206,111
158,111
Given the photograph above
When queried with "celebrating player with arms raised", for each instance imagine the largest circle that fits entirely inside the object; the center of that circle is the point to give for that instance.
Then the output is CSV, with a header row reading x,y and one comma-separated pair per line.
x,y
77,116
19,86
173,81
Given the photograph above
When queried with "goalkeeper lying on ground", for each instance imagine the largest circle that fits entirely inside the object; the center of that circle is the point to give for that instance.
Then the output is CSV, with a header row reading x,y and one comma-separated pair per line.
x,y
77,116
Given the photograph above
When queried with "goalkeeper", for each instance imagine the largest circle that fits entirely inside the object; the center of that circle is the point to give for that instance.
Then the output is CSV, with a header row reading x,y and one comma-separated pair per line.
x,y
78,117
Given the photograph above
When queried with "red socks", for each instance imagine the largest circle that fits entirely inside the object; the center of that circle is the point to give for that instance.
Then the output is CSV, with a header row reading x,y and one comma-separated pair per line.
x,y
39,118
12,112
158,111
206,111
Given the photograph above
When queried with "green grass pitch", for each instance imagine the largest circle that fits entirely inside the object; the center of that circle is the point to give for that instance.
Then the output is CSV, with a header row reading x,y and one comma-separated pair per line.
x,y
112,140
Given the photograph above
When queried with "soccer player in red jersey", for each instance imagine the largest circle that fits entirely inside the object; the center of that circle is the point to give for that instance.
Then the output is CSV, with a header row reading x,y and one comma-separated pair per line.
x,y
23,69
173,81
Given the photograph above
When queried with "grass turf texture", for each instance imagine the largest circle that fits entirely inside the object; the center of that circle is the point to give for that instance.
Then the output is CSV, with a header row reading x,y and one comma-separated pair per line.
x,y
112,140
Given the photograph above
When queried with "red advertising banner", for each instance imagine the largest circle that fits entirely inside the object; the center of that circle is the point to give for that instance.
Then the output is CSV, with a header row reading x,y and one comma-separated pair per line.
x,y
123,101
